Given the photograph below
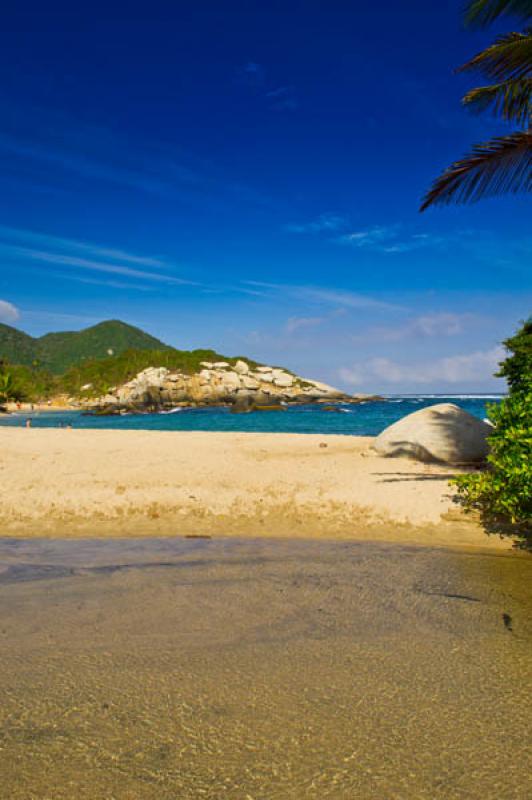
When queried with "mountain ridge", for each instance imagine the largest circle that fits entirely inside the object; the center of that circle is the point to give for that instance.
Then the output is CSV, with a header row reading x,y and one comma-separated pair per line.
x,y
58,351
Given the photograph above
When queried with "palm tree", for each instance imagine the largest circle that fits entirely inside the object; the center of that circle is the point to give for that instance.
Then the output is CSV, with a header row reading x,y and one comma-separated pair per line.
x,y
6,387
502,164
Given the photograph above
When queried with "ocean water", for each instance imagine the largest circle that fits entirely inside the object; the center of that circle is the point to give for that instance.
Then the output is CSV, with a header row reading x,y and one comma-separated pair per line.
x,y
365,419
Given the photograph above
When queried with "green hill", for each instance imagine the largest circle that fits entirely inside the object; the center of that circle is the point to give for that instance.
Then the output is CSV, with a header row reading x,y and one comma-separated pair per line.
x,y
16,346
107,354
57,352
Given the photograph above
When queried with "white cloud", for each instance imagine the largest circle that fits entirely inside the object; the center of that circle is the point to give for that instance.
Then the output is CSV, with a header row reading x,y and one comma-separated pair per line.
x,y
424,326
463,368
8,312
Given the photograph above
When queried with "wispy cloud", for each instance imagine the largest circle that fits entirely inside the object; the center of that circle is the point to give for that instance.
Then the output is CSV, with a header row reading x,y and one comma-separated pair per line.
x,y
283,98
390,239
60,259
99,251
297,323
109,283
325,223
59,317
279,98
467,368
340,298
8,312
252,73
371,237
66,253
88,167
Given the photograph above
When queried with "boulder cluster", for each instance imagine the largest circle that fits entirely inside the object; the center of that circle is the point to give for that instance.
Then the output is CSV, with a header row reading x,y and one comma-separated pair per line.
x,y
218,383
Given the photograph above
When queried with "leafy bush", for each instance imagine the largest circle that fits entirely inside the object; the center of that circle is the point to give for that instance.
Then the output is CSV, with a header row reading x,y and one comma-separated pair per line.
x,y
10,390
503,492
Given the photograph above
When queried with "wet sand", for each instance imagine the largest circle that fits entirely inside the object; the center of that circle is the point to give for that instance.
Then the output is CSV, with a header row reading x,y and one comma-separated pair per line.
x,y
247,669
74,483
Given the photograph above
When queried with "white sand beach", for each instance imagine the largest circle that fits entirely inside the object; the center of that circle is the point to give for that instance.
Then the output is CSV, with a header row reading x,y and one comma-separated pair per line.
x,y
74,483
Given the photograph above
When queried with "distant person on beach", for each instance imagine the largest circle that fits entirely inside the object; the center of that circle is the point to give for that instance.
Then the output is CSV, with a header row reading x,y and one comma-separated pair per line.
x,y
28,423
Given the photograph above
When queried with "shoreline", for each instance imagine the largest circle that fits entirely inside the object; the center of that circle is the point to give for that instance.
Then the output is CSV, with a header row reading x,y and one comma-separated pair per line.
x,y
103,483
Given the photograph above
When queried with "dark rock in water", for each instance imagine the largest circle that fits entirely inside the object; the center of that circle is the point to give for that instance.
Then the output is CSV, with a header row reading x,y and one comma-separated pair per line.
x,y
331,408
301,399
262,398
241,404
110,410
272,407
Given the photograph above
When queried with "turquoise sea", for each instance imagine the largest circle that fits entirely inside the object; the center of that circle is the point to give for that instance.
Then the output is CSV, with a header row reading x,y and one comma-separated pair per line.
x,y
365,419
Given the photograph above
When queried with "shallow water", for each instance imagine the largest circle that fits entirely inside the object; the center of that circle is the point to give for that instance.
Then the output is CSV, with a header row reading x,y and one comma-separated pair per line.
x,y
365,419
182,669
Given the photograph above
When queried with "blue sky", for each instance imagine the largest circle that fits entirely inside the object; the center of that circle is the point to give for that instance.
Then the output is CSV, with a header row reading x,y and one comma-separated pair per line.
x,y
247,175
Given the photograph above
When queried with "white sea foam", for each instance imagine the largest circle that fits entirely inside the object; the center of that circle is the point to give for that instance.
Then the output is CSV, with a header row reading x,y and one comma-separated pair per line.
x,y
398,398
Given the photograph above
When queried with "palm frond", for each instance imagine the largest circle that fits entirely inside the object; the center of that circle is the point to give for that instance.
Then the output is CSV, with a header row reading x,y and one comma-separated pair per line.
x,y
509,57
512,100
483,12
501,165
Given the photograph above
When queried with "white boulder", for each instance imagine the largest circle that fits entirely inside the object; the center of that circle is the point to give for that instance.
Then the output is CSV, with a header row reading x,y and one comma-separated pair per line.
x,y
231,380
284,380
249,383
241,367
443,432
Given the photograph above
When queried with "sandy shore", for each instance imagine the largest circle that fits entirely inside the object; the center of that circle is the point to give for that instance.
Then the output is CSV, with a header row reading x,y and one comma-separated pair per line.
x,y
76,483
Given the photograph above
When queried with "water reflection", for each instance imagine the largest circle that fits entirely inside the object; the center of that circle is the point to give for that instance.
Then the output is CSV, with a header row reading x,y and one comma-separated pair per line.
x,y
262,669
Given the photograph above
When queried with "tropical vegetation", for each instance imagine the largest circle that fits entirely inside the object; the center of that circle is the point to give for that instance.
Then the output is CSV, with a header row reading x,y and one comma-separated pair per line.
x,y
71,363
503,493
504,163
56,352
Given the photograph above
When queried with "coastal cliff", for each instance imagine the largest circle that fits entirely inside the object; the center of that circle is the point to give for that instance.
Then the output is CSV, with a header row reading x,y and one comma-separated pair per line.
x,y
242,385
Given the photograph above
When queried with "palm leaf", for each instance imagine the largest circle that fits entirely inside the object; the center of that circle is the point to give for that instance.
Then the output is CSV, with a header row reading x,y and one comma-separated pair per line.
x,y
501,165
510,99
509,57
483,12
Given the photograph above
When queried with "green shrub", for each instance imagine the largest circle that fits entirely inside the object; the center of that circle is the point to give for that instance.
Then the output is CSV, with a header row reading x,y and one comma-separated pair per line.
x,y
503,492
10,390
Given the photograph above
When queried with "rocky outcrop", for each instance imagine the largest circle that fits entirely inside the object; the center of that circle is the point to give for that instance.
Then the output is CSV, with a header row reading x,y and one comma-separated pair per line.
x,y
443,432
240,384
